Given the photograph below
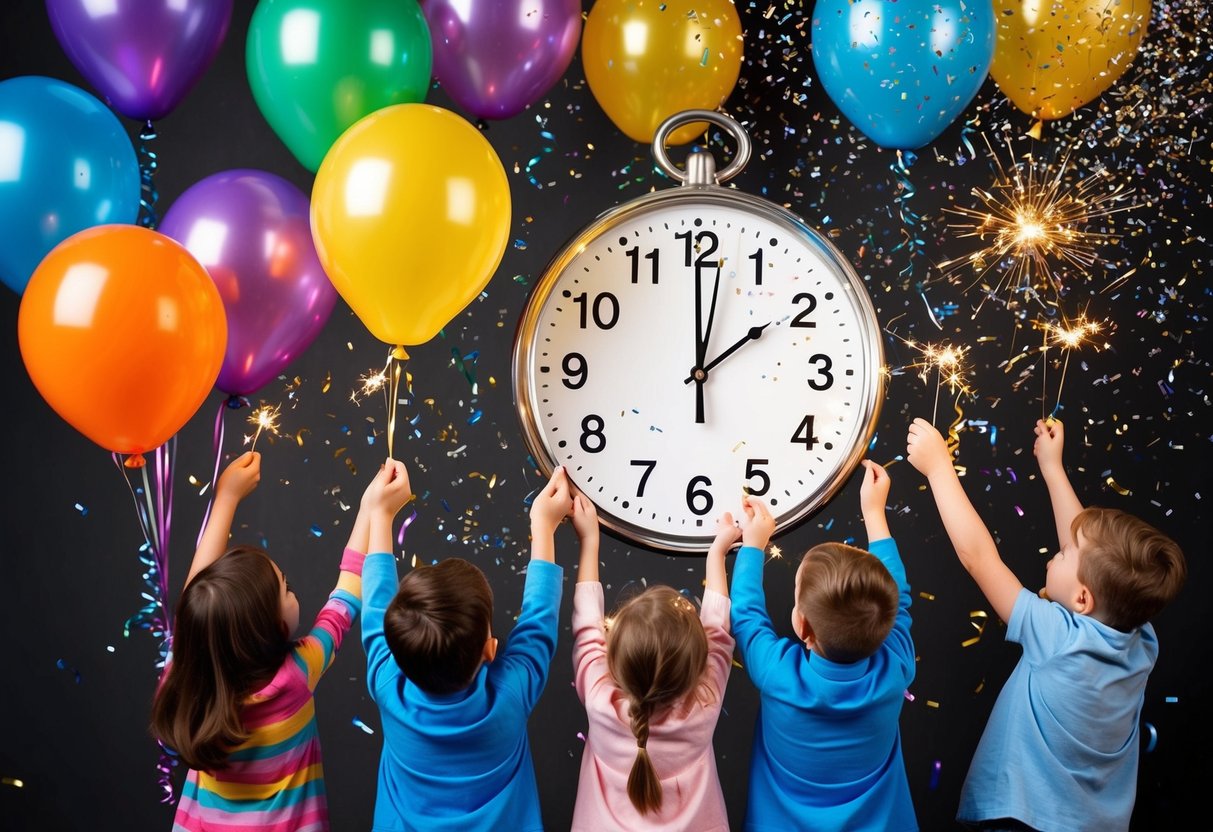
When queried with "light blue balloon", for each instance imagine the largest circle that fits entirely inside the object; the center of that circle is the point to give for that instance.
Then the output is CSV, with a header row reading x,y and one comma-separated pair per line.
x,y
66,164
902,70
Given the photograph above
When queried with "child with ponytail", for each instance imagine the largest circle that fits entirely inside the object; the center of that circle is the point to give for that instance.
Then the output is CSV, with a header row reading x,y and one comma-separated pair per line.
x,y
235,702
652,678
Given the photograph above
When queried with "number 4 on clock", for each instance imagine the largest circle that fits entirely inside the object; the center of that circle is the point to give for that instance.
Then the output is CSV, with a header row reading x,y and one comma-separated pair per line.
x,y
804,434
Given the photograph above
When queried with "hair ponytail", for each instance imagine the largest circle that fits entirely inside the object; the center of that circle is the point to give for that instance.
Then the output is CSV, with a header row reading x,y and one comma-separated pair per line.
x,y
229,638
644,789
657,653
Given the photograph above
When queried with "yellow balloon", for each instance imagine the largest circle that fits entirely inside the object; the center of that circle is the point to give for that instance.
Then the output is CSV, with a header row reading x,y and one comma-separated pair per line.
x,y
646,60
410,216
1053,56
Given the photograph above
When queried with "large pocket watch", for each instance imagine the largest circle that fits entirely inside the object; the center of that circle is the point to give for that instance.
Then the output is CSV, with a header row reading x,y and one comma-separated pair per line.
x,y
693,343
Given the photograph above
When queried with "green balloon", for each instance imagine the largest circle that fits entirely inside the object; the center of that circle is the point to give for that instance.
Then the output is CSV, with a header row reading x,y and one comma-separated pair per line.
x,y
318,66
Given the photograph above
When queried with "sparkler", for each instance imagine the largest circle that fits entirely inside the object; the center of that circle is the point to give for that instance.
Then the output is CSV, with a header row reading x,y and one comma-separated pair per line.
x,y
948,362
264,418
387,380
1032,218
1069,336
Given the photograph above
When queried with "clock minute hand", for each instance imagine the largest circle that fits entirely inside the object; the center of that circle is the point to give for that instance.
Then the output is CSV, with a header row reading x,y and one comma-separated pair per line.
x,y
753,335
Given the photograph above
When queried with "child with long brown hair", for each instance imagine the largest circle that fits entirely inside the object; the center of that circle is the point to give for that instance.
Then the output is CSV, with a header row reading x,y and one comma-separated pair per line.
x,y
652,678
236,702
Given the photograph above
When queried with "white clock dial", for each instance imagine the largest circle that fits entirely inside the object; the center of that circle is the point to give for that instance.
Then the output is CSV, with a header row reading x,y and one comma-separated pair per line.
x,y
611,342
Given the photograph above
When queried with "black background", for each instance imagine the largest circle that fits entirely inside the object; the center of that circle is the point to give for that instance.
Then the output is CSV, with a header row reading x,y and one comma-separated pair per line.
x,y
75,692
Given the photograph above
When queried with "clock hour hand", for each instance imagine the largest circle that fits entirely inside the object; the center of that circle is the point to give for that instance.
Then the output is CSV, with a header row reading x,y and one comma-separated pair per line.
x,y
753,335
702,334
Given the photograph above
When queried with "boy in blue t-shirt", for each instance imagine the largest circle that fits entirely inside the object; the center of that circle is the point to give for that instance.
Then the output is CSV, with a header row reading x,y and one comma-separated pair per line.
x,y
827,748
1065,726
455,749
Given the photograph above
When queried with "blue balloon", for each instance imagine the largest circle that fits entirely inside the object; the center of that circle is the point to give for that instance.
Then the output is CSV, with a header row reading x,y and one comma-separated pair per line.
x,y
902,70
66,164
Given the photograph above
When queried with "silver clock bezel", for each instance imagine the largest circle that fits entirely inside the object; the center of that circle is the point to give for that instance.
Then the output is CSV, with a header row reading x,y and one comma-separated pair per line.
x,y
525,378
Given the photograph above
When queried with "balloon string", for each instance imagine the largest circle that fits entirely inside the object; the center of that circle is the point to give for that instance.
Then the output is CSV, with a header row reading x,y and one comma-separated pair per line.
x,y
395,362
148,164
217,443
1064,366
910,220
154,522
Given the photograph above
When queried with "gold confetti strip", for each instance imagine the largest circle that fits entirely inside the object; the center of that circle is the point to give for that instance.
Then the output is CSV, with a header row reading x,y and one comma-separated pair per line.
x,y
12,781
979,619
980,685
926,596
931,703
1118,488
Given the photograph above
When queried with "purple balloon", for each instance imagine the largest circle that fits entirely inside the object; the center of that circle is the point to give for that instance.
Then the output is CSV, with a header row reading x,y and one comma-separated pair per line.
x,y
142,55
494,57
251,231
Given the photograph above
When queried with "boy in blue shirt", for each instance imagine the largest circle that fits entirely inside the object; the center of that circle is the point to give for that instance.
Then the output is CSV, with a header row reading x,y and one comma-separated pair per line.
x,y
455,749
1065,726
827,748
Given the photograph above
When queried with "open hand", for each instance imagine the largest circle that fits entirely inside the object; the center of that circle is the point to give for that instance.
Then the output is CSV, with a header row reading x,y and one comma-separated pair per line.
x,y
757,525
1050,438
240,477
926,449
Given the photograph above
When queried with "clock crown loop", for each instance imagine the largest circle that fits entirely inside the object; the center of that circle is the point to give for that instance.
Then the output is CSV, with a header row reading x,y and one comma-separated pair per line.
x,y
701,166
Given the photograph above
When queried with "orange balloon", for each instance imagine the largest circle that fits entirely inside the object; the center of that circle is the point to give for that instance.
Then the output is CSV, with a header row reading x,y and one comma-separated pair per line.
x,y
123,334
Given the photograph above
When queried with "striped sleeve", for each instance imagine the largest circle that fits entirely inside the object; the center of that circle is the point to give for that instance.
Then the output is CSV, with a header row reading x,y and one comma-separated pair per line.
x,y
315,652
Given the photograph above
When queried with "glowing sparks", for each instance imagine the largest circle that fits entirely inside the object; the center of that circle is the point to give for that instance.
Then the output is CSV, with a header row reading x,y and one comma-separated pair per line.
x,y
372,382
1068,336
1034,226
264,418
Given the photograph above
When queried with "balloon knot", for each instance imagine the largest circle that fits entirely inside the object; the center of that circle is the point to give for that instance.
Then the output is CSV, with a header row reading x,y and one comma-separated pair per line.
x,y
237,402
399,354
1034,132
135,461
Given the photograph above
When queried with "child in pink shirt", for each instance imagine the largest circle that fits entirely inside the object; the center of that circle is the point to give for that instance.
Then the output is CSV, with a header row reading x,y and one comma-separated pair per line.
x,y
652,679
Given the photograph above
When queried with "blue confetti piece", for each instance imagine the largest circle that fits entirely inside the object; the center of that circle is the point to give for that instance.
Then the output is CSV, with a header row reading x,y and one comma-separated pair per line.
x,y
935,774
1153,737
316,530
475,417
1171,700
83,511
358,723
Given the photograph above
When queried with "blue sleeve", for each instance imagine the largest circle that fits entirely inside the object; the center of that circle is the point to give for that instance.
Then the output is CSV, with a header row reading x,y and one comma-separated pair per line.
x,y
1043,628
523,666
379,583
761,648
898,640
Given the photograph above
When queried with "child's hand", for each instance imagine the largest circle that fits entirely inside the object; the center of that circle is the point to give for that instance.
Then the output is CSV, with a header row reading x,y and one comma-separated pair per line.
x,y
552,504
585,517
758,525
926,450
874,492
240,477
389,490
1050,437
727,531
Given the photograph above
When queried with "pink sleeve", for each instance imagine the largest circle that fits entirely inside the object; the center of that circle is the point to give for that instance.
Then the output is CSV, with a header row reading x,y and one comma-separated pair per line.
x,y
714,614
589,638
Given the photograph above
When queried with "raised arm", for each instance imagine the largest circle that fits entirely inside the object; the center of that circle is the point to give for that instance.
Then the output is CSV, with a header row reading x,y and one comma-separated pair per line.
x,y
235,483
873,495
552,504
927,452
727,533
585,523
385,496
1050,438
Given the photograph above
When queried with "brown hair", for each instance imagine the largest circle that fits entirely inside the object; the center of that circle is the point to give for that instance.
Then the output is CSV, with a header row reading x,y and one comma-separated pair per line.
x,y
848,598
228,640
437,624
657,652
1132,568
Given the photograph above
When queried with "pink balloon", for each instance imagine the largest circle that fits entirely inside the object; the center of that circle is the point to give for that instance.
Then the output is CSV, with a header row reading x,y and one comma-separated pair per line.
x,y
251,231
495,57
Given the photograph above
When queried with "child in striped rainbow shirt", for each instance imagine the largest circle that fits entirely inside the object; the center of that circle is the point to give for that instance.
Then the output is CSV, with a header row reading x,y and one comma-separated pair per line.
x,y
235,701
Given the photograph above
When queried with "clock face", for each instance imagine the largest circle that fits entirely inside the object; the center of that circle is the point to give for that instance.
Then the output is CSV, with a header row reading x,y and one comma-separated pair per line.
x,y
689,345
